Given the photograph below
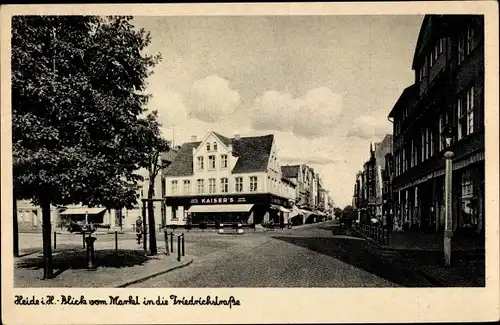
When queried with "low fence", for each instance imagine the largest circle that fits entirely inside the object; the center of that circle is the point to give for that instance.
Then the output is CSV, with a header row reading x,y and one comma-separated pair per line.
x,y
106,241
206,226
379,234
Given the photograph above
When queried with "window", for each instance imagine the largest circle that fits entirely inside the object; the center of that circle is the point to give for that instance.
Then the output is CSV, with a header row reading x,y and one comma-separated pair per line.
x,y
239,184
431,142
386,187
370,191
223,161
163,187
461,49
208,146
436,52
200,185
442,45
431,58
187,186
211,185
470,41
224,185
467,188
442,122
174,187
465,113
200,163
211,162
253,184
174,213
424,142
215,146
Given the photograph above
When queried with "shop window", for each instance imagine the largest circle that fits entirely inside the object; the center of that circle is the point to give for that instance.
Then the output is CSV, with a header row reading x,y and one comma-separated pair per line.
x,y
469,206
253,184
200,185
211,185
239,184
211,162
223,161
174,187
187,186
224,185
200,163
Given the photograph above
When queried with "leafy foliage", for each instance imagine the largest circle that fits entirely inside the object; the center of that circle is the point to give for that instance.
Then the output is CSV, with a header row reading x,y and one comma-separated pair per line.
x,y
77,97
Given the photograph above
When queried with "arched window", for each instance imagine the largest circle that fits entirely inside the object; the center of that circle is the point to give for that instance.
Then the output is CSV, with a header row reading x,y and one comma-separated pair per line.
x,y
215,146
208,146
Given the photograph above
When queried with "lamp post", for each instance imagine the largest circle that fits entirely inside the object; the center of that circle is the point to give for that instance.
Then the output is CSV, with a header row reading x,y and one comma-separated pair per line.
x,y
447,134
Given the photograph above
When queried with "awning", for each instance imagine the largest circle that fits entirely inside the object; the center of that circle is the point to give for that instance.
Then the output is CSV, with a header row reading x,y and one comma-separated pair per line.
x,y
220,208
279,207
71,211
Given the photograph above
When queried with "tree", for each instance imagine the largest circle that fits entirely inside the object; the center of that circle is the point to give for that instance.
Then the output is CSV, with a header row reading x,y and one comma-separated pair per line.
x,y
337,212
154,144
77,94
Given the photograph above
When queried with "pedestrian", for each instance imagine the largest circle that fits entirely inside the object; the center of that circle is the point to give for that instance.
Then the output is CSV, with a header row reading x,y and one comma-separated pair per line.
x,y
138,229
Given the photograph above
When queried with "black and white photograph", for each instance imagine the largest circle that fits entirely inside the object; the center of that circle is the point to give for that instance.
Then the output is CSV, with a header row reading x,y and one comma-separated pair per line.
x,y
283,149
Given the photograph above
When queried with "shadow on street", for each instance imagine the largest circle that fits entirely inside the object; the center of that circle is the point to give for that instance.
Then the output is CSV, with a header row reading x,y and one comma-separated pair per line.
x,y
349,249
77,259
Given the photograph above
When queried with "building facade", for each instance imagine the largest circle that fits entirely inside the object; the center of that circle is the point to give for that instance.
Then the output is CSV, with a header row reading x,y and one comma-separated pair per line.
x,y
448,90
381,176
225,180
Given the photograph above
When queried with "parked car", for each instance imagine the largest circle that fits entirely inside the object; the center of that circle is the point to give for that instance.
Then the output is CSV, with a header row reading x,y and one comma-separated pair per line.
x,y
81,227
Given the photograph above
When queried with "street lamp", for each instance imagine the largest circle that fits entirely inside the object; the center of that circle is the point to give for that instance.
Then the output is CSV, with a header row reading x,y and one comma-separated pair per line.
x,y
447,134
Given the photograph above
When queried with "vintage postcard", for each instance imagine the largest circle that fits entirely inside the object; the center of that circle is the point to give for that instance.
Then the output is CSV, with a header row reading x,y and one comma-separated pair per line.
x,y
250,163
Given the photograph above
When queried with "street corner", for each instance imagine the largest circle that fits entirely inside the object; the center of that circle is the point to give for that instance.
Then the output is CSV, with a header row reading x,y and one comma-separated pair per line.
x,y
159,265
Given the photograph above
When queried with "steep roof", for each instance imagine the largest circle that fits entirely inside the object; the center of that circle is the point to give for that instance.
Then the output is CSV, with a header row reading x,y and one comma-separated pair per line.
x,y
404,99
290,171
222,138
253,153
183,162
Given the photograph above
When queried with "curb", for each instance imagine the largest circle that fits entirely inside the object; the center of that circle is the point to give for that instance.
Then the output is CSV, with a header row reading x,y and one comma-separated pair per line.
x,y
129,283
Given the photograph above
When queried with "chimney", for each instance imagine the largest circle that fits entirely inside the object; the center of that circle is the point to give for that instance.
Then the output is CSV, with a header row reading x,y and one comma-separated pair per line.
x,y
237,137
193,138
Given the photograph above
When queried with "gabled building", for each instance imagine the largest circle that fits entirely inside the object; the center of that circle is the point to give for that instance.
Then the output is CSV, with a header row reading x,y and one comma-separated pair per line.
x,y
448,90
224,180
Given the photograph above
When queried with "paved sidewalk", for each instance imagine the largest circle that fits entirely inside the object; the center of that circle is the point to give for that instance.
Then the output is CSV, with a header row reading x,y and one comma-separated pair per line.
x,y
116,268
425,251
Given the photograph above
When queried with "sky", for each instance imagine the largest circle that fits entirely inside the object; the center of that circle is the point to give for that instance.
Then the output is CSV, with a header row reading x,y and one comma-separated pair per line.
x,y
323,85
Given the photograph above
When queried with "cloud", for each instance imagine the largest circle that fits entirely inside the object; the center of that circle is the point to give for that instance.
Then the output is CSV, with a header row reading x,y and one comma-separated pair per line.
x,y
211,99
171,108
369,127
312,115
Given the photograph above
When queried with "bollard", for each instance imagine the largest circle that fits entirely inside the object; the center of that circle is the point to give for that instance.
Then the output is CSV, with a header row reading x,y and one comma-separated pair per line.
x,y
183,245
55,239
221,228
167,250
240,228
116,240
179,248
91,265
172,242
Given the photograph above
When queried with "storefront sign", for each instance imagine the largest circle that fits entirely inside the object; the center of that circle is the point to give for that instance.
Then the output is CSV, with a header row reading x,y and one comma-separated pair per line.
x,y
226,199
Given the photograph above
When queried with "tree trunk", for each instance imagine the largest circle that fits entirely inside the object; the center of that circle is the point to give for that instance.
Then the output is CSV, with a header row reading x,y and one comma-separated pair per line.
x,y
151,220
47,244
15,244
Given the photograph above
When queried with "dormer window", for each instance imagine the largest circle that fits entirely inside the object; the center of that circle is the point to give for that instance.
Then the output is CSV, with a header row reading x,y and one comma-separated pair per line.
x,y
208,146
215,146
